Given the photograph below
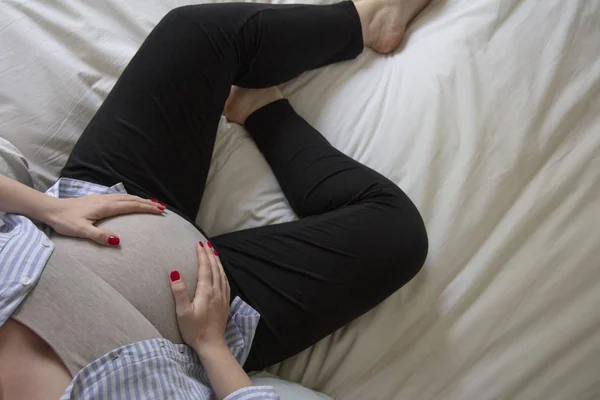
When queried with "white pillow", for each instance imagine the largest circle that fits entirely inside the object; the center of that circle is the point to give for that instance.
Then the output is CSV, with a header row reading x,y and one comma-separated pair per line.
x,y
287,390
13,164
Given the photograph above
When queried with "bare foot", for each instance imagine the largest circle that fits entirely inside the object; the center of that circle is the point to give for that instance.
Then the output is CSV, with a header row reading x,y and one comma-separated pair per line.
x,y
384,21
243,102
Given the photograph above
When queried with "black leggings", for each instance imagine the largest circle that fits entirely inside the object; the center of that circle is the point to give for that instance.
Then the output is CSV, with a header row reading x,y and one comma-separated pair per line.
x,y
359,237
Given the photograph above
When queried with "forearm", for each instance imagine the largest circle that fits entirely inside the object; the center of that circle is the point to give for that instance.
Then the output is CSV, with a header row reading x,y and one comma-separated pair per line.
x,y
16,198
225,373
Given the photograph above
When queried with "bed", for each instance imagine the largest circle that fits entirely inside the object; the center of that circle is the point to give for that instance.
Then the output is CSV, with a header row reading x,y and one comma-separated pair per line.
x,y
488,117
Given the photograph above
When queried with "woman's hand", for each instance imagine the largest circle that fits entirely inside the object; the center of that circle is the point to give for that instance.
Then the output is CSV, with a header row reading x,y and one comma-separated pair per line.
x,y
72,217
202,321
76,217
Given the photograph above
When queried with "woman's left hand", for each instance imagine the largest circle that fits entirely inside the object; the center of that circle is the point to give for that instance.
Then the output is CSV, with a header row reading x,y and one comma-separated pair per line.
x,y
203,319
76,217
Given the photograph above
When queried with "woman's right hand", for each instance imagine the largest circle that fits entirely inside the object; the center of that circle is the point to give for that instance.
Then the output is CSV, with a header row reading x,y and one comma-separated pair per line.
x,y
202,320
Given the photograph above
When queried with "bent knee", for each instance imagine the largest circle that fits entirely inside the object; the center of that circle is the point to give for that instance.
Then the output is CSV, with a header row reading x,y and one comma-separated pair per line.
x,y
407,239
197,14
175,17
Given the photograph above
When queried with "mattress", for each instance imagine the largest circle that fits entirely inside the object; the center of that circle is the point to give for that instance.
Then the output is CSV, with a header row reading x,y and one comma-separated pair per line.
x,y
488,116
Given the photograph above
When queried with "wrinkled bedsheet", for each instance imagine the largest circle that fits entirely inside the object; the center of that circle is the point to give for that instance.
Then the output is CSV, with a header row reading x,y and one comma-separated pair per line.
x,y
488,117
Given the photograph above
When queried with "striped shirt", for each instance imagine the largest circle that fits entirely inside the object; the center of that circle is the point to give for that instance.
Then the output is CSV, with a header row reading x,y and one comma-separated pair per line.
x,y
152,369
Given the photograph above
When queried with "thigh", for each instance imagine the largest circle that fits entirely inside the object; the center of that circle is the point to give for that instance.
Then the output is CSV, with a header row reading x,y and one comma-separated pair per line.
x,y
155,131
309,277
79,315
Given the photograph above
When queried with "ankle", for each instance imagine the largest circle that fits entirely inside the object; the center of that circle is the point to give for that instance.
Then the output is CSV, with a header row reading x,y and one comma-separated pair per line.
x,y
384,22
366,12
243,102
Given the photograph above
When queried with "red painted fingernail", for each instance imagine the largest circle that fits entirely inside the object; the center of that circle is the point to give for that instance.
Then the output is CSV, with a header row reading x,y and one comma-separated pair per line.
x,y
113,240
161,208
216,254
209,245
154,201
200,243
163,204
175,276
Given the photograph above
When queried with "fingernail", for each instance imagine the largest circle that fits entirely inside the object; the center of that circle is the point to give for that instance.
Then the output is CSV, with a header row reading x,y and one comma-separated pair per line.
x,y
161,208
175,276
209,245
200,243
154,201
163,204
113,240
216,254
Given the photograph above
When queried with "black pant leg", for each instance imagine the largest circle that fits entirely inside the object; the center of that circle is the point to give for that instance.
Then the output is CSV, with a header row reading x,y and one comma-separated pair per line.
x,y
359,239
155,131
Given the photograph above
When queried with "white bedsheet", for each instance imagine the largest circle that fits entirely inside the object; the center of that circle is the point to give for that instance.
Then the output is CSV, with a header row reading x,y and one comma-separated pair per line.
x,y
489,118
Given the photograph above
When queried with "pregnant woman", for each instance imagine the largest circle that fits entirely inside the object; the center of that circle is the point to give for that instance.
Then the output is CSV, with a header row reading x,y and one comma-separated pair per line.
x,y
99,322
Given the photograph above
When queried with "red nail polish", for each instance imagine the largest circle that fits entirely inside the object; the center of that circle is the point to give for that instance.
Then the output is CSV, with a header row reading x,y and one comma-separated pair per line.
x,y
216,254
163,204
175,276
161,208
113,240
200,243
209,245
154,201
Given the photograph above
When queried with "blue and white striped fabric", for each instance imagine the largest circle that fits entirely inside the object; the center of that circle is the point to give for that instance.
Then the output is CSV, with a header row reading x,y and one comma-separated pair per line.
x,y
152,369
159,369
25,249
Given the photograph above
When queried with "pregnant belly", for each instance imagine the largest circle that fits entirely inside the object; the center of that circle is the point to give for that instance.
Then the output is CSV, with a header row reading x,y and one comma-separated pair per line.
x,y
151,247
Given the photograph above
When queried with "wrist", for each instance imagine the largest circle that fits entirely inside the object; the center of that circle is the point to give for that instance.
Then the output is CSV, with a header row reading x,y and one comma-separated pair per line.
x,y
225,373
45,209
212,350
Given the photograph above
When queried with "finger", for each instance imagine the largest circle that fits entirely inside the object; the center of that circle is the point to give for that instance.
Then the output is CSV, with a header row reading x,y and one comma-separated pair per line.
x,y
130,197
224,280
204,272
182,300
100,236
212,261
152,202
218,275
129,207
145,205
